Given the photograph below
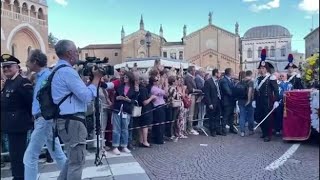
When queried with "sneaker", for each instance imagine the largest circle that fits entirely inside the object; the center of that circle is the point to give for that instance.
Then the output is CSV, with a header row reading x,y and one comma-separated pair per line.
x,y
251,132
242,134
194,132
278,134
116,151
126,150
183,137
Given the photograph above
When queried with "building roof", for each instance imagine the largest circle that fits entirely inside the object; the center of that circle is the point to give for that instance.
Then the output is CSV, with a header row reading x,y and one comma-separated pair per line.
x,y
317,29
208,26
103,46
173,43
270,31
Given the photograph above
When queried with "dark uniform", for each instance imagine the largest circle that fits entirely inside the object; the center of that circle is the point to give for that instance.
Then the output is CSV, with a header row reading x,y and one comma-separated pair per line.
x,y
264,101
16,118
296,79
265,94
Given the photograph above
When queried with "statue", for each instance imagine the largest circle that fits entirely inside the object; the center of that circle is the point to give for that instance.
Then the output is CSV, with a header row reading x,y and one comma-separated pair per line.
x,y
237,28
210,18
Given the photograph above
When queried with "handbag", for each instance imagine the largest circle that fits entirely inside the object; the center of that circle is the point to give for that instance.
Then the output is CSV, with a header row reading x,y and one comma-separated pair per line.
x,y
186,101
176,103
136,111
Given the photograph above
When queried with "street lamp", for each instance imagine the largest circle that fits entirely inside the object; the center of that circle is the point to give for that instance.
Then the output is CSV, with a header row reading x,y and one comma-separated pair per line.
x,y
148,41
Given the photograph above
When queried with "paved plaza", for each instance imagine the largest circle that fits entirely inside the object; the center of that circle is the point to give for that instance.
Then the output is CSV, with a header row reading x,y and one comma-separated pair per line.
x,y
207,158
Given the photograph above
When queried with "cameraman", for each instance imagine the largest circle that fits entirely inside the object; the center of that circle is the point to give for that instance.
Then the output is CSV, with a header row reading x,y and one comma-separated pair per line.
x,y
71,126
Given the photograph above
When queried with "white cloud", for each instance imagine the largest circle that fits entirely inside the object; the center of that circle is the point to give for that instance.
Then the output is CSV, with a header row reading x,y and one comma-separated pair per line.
x,y
62,2
249,0
270,5
311,6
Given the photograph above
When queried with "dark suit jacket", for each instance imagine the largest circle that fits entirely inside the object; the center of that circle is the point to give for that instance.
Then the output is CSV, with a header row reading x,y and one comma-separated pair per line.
x,y
190,83
226,92
210,93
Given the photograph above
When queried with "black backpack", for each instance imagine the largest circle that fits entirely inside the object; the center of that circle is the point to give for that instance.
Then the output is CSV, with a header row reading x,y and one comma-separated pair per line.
x,y
240,90
49,110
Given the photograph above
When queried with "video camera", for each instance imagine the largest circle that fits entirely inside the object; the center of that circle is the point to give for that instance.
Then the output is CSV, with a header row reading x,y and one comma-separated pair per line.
x,y
90,62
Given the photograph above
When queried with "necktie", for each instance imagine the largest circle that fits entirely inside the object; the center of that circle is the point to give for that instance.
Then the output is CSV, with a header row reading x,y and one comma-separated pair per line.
x,y
218,89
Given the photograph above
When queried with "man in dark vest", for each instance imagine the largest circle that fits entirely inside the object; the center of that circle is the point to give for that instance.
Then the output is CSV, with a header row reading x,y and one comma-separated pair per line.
x,y
293,77
266,87
16,119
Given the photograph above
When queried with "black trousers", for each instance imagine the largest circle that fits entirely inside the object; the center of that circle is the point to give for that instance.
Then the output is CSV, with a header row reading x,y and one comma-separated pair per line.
x,y
228,117
159,116
17,147
214,118
261,112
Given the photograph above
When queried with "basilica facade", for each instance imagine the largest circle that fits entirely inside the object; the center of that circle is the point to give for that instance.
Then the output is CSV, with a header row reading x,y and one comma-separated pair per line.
x,y
209,47
24,26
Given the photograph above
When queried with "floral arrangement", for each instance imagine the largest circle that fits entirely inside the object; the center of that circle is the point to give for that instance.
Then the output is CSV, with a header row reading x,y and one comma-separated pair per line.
x,y
310,71
314,104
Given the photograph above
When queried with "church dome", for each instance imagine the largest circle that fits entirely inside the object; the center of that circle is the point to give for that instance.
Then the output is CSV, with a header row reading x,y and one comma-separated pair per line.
x,y
262,32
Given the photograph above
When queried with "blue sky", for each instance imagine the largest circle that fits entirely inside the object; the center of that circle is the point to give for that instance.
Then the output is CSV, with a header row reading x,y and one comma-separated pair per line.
x,y
99,21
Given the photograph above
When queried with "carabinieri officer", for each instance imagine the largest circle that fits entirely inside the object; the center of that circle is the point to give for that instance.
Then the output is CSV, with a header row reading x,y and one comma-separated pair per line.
x,y
16,118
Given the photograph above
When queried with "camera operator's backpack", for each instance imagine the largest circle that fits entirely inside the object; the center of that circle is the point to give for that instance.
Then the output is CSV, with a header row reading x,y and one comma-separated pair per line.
x,y
49,110
240,90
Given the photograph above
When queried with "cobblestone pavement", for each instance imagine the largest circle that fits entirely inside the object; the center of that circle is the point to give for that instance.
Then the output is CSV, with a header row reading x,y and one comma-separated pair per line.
x,y
227,158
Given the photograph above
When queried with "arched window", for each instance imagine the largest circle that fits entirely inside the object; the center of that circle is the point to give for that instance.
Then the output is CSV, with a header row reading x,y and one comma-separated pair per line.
x,y
16,7
259,52
267,51
29,50
40,14
272,51
24,9
33,11
283,51
13,49
6,5
249,53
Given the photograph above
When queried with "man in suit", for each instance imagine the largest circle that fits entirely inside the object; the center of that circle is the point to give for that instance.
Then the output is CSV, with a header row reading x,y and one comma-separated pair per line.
x,y
228,102
200,106
212,96
192,91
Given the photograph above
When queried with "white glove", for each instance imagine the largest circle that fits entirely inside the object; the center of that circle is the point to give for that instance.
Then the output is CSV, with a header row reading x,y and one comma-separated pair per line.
x,y
237,109
254,104
275,104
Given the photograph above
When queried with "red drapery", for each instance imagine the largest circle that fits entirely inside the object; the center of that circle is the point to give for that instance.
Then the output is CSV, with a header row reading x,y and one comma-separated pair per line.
x,y
296,120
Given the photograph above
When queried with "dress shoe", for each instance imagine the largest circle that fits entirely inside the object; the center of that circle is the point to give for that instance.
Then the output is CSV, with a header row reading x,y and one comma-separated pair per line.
x,y
213,134
266,139
233,131
144,146
251,132
262,136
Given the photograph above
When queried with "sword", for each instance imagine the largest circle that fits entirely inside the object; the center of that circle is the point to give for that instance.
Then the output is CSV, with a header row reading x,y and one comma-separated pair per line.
x,y
266,116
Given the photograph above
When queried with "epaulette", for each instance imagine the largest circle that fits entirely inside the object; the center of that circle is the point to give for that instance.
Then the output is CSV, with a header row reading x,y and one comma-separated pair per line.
x,y
273,77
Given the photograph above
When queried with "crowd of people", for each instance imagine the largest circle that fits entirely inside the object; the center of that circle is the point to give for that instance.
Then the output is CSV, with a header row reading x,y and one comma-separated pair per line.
x,y
173,104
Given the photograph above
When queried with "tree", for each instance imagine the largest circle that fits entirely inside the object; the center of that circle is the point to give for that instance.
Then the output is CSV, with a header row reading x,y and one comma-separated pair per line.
x,y
52,39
